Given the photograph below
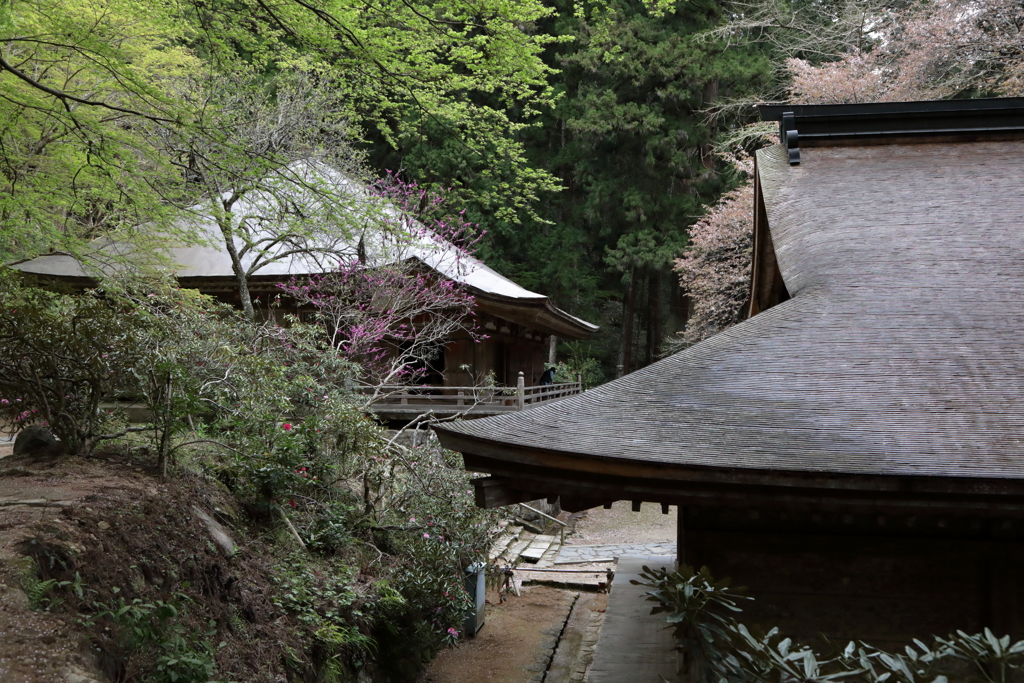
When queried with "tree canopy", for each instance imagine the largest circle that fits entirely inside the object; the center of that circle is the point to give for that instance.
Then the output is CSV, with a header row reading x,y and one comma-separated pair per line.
x,y
91,91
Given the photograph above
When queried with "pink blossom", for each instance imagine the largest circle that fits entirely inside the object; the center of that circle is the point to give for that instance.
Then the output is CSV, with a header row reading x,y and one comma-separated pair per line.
x,y
287,426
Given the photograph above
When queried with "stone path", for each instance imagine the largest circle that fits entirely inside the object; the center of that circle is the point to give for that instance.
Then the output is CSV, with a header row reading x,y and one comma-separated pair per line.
x,y
634,646
589,553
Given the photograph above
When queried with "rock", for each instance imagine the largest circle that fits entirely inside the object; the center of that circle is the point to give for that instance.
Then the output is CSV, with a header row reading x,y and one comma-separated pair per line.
x,y
103,525
217,533
73,674
33,439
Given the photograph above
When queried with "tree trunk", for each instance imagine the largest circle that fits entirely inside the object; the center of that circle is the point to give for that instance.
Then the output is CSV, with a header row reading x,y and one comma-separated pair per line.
x,y
709,95
679,308
552,344
241,277
166,429
653,315
626,342
243,292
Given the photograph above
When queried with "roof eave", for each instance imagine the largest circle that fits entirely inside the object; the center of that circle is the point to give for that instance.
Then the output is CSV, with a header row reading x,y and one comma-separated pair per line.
x,y
521,474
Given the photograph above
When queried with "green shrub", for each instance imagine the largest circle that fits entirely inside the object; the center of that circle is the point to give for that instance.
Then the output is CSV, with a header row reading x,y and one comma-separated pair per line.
x,y
718,649
61,355
154,642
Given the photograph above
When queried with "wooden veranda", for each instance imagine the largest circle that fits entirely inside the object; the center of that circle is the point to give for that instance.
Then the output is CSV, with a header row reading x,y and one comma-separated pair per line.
x,y
398,402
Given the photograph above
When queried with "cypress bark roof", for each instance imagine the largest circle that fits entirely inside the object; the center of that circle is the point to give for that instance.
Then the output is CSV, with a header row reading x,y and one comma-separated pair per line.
x,y
206,265
900,351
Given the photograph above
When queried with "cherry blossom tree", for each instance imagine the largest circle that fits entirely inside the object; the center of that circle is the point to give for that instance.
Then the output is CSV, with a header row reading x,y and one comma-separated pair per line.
x,y
889,50
930,50
714,271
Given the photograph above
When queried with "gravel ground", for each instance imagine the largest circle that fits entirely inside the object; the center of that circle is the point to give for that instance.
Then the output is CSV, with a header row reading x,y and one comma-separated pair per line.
x,y
622,525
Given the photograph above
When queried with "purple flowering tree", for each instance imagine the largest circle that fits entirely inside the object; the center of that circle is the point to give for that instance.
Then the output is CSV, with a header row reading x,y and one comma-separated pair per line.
x,y
398,297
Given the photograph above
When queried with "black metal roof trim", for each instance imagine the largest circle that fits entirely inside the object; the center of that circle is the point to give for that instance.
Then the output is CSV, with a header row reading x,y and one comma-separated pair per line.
x,y
825,123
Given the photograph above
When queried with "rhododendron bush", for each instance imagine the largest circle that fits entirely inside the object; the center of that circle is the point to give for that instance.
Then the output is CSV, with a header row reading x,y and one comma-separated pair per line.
x,y
266,410
62,357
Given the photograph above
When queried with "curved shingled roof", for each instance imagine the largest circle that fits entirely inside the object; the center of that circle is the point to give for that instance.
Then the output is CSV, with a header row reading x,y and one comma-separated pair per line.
x,y
900,351
206,260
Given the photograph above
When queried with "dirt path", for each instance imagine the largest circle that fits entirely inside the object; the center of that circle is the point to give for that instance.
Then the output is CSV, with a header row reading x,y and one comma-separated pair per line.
x,y
35,646
516,634
514,643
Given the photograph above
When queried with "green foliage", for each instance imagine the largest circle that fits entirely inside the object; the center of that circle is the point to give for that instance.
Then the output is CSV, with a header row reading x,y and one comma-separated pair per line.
x,y
76,71
579,364
153,640
41,593
103,129
61,355
718,649
317,593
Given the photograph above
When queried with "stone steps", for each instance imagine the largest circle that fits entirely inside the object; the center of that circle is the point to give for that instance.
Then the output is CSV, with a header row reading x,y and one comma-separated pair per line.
x,y
515,545
537,547
508,536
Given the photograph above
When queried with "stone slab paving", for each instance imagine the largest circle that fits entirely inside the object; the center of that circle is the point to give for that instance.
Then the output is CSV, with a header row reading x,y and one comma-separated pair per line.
x,y
634,646
584,553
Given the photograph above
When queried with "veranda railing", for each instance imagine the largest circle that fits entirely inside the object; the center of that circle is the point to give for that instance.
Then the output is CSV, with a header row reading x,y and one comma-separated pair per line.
x,y
455,398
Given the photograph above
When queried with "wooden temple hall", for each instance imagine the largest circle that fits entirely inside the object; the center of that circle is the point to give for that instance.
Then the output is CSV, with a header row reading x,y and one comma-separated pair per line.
x,y
514,325
853,452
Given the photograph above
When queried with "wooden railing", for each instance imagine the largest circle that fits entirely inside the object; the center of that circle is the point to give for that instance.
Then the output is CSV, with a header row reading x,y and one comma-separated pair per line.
x,y
484,399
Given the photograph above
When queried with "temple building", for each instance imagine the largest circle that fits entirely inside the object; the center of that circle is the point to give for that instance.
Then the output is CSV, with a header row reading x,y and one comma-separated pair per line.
x,y
853,452
514,325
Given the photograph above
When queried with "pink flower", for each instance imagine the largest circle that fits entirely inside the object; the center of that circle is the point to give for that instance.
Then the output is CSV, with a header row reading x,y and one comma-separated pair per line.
x,y
287,426
453,633
426,535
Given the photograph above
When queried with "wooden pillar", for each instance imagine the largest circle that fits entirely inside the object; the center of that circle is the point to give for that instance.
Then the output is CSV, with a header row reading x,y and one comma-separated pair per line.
x,y
680,535
521,391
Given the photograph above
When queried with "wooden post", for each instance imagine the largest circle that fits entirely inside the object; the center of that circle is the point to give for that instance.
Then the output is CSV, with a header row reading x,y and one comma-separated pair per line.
x,y
680,536
461,402
521,390
552,344
579,381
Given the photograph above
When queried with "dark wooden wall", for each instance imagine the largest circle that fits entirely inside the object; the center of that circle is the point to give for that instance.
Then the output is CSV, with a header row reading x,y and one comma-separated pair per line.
x,y
881,579
508,350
